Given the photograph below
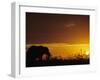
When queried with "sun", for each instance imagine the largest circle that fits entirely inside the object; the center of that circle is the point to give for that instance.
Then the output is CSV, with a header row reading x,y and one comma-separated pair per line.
x,y
87,53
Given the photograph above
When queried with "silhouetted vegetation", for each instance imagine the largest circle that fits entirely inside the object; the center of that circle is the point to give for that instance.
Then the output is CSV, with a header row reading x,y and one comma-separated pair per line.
x,y
40,56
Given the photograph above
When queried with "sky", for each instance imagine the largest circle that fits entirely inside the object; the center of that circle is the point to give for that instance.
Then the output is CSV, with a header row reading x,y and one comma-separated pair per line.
x,y
56,28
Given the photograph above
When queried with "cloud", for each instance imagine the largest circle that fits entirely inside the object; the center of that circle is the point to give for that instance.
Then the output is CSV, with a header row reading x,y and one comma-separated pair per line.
x,y
70,25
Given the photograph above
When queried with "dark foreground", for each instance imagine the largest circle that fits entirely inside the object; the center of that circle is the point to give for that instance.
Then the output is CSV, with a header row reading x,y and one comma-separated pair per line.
x,y
57,62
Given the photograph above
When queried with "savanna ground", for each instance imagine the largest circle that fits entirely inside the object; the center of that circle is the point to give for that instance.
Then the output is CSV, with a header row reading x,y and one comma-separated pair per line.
x,y
63,54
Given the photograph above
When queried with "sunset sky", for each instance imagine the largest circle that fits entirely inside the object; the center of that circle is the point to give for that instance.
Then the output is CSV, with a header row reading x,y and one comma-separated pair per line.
x,y
56,28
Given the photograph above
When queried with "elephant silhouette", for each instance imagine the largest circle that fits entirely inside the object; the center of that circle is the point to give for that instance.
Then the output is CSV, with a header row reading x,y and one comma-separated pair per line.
x,y
37,53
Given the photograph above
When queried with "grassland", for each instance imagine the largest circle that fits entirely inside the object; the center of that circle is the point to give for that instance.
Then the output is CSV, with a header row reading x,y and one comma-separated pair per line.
x,y
63,54
66,51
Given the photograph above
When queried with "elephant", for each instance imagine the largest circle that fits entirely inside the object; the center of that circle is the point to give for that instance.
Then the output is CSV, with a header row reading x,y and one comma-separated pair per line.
x,y
35,53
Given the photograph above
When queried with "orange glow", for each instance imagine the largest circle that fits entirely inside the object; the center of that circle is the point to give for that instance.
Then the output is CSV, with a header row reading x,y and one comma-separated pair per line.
x,y
66,51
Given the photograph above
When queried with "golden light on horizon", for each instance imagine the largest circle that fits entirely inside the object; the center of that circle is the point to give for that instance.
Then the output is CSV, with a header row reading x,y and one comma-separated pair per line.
x,y
87,52
66,51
